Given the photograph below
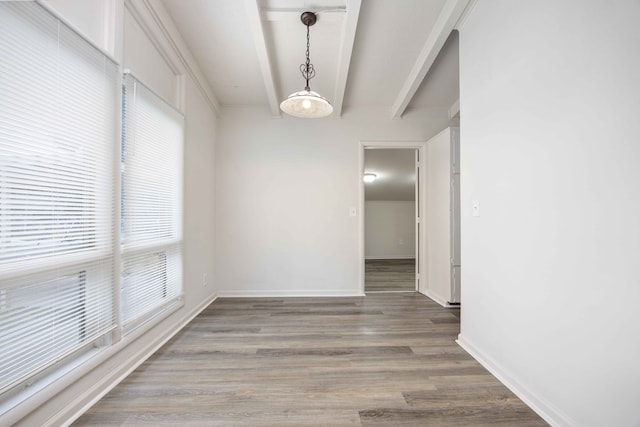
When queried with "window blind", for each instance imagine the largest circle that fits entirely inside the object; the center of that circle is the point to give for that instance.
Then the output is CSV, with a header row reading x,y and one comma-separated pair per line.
x,y
151,224
51,316
58,103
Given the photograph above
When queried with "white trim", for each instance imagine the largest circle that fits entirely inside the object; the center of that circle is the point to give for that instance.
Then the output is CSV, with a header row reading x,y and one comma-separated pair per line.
x,y
17,271
391,292
96,44
454,111
349,28
181,94
329,14
361,250
155,316
540,405
116,170
83,402
421,146
439,300
167,102
24,407
259,41
109,27
156,23
465,14
449,16
292,293
145,21
395,144
391,257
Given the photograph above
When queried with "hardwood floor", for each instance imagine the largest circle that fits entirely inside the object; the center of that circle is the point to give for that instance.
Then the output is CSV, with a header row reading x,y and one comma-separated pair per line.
x,y
379,360
390,275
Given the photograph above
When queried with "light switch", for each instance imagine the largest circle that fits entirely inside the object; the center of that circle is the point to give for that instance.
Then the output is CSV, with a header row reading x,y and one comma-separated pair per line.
x,y
475,208
352,211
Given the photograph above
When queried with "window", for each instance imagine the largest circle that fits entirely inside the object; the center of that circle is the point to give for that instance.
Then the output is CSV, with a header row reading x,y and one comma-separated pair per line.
x,y
58,275
151,224
58,107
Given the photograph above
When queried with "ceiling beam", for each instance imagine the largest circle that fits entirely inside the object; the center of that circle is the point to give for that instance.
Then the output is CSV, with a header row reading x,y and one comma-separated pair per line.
x,y
329,14
255,22
346,49
465,14
454,111
446,22
155,22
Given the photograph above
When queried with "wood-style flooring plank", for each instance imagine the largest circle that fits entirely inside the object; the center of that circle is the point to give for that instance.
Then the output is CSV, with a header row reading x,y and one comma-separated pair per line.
x,y
379,360
390,275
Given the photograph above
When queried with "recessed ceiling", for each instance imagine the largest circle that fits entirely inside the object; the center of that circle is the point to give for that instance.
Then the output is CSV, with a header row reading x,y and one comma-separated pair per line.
x,y
364,51
218,35
441,86
389,39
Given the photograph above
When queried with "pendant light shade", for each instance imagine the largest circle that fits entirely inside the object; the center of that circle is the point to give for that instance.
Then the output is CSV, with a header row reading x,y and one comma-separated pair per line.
x,y
307,103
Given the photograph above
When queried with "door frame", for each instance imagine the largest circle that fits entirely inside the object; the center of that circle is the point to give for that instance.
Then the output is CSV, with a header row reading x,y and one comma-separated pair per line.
x,y
421,204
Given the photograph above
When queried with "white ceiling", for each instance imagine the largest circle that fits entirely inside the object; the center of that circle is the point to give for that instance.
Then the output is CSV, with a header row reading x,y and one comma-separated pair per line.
x,y
395,174
366,52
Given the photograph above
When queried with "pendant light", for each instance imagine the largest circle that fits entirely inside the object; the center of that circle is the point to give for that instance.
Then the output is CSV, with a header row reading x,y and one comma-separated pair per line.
x,y
307,103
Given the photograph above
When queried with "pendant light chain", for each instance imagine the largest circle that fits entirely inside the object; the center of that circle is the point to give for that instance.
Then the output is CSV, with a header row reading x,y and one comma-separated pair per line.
x,y
307,70
306,103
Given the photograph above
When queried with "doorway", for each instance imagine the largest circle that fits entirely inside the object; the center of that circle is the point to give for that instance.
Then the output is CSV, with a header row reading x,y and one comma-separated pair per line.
x,y
392,201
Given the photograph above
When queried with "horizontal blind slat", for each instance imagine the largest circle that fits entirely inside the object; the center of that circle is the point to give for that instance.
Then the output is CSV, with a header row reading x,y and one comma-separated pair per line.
x,y
152,202
57,132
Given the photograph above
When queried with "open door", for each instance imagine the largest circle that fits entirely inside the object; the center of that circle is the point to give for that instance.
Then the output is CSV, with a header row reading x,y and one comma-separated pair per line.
x,y
443,217
418,217
392,203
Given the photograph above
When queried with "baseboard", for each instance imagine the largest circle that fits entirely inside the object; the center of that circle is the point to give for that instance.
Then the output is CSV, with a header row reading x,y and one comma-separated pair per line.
x,y
293,293
391,257
439,300
539,405
83,402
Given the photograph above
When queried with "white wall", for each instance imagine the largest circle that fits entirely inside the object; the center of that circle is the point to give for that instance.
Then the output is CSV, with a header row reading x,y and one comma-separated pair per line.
x,y
438,217
67,397
91,18
284,188
145,62
389,229
550,100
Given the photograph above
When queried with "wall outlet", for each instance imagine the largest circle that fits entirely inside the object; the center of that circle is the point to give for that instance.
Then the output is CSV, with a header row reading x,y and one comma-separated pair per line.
x,y
205,279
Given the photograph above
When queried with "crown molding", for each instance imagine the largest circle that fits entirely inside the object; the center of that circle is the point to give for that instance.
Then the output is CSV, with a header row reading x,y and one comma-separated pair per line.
x,y
156,22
